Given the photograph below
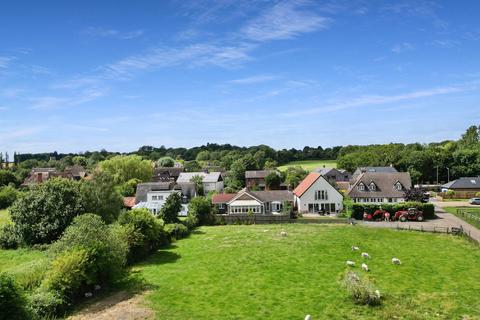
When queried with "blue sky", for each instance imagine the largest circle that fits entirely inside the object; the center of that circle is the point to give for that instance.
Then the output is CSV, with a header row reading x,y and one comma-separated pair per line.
x,y
86,75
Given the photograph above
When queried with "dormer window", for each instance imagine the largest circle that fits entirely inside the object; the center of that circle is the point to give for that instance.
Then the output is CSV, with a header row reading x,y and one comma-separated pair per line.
x,y
372,186
398,186
361,186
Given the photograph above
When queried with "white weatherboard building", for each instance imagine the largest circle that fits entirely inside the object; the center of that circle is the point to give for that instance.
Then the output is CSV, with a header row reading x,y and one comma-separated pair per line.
x,y
212,181
315,194
152,196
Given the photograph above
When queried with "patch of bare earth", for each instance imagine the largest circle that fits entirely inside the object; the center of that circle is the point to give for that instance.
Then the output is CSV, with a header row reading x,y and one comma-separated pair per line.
x,y
119,306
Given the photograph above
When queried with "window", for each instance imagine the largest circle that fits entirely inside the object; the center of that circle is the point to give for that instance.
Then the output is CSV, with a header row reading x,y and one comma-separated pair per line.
x,y
361,187
372,187
321,195
154,198
398,186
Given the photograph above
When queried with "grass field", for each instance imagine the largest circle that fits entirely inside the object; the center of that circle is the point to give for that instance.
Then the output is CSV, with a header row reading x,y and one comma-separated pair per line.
x,y
4,217
310,165
13,260
251,272
471,215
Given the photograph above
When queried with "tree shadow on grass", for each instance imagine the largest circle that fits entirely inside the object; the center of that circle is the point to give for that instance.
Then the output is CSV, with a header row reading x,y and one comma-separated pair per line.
x,y
162,256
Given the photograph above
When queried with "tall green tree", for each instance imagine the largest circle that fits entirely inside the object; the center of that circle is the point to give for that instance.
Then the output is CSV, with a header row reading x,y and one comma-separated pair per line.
x,y
166,162
197,180
125,168
171,208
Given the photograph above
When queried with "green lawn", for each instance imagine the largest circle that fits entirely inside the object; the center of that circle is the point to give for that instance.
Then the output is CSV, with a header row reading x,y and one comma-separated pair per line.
x,y
13,260
310,165
4,217
468,215
251,272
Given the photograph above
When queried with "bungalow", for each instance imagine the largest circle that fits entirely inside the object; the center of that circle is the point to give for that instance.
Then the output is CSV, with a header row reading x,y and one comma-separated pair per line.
x,y
257,202
380,187
152,196
464,185
212,181
315,194
255,179
361,170
332,174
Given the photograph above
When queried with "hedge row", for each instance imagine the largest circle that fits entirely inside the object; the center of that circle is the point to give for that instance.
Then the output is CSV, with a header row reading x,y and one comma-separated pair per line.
x,y
358,209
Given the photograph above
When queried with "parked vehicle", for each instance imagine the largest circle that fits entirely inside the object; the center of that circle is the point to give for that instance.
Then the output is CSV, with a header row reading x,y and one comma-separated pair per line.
x,y
412,214
475,201
378,215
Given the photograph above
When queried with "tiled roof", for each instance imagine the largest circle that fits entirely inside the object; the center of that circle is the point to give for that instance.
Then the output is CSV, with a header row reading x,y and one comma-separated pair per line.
x,y
185,177
222,197
257,174
273,195
464,183
306,183
384,185
128,202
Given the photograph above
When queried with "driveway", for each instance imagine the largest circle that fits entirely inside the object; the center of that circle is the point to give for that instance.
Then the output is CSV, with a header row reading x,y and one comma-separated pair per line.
x,y
443,220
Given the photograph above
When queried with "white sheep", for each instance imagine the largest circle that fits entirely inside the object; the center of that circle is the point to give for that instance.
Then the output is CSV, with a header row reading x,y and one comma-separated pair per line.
x,y
377,293
308,317
355,248
396,261
283,233
365,267
365,255
88,294
350,263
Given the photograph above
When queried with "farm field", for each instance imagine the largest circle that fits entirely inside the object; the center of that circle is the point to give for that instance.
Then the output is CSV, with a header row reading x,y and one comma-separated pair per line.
x,y
4,217
251,272
310,165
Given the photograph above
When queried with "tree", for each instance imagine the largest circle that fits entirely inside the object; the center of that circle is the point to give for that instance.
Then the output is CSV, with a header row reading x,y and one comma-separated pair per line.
x,y
102,197
192,166
294,175
200,211
197,180
415,195
273,180
270,164
124,168
203,156
470,138
166,162
79,161
171,208
8,195
7,177
43,213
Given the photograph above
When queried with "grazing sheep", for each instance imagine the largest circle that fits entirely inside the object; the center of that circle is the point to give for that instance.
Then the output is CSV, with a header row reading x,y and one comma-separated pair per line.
x,y
365,267
283,233
396,261
355,248
365,255
308,317
88,294
350,263
377,293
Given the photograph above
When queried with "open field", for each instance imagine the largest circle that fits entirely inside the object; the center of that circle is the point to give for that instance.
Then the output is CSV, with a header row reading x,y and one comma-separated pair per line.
x,y
13,260
251,272
4,217
310,165
470,215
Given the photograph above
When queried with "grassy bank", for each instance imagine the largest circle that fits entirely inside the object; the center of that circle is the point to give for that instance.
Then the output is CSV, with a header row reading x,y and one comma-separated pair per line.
x,y
310,165
251,272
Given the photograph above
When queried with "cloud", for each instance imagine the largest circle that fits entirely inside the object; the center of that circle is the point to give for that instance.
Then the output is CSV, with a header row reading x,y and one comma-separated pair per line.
x,y
254,79
99,32
402,47
285,20
369,100
5,61
55,102
445,43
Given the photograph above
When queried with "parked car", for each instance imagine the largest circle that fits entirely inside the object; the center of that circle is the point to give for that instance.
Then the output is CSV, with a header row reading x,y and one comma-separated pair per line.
x,y
475,201
412,214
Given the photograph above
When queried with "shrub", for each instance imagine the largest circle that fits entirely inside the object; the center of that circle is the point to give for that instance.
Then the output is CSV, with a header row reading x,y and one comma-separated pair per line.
x,y
477,194
12,300
44,304
176,230
30,275
145,233
171,208
107,255
9,238
7,177
8,195
43,213
200,210
358,209
361,290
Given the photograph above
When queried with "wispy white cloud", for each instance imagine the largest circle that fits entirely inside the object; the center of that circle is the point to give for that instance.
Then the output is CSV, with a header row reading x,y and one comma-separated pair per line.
x,y
445,43
254,79
285,20
371,100
56,102
100,32
403,47
5,61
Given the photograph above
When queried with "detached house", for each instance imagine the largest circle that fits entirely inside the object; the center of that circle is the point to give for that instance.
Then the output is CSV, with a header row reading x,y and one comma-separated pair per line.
x,y
152,196
466,186
380,187
361,170
332,174
256,179
40,175
166,174
257,202
212,181
315,194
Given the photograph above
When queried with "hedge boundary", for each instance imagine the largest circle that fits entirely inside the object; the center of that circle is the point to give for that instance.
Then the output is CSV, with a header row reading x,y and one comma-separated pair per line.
x,y
358,209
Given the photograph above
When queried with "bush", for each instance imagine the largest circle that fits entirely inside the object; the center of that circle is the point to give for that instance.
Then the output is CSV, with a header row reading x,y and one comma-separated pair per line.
x,y
358,209
12,300
361,290
43,213
144,232
30,275
44,304
106,252
176,230
171,208
8,195
477,194
200,212
9,238
7,177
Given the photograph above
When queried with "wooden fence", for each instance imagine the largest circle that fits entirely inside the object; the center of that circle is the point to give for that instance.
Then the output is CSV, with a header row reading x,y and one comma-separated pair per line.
x,y
459,231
